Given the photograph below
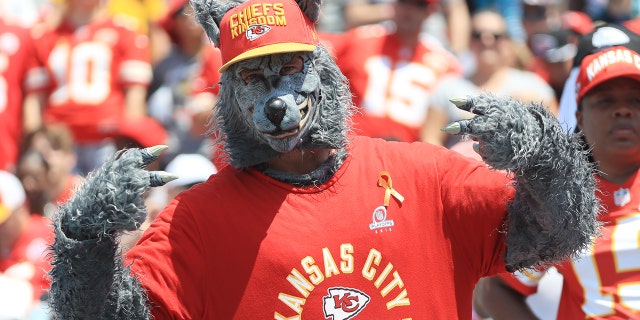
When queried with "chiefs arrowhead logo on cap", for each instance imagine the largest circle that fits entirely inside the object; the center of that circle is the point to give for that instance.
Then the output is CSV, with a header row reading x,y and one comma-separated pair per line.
x,y
256,31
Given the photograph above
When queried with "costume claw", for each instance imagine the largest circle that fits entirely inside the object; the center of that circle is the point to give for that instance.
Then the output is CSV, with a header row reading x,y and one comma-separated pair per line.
x,y
157,150
457,127
460,102
452,128
160,178
151,154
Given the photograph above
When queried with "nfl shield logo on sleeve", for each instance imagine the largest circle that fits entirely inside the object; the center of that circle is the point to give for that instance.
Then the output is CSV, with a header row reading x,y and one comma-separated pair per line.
x,y
621,197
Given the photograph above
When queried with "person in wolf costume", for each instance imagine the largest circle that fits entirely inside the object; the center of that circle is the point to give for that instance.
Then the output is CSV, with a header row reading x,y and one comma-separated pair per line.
x,y
311,220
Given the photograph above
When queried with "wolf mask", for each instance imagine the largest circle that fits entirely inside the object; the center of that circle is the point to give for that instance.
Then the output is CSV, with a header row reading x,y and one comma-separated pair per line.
x,y
280,90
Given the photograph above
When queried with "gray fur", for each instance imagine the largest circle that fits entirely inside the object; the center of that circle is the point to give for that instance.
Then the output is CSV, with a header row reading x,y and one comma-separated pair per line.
x,y
89,278
209,14
311,8
553,215
115,208
314,178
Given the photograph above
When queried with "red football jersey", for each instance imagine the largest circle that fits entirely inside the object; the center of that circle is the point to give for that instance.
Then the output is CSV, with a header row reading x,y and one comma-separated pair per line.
x,y
391,83
245,246
16,51
86,72
603,283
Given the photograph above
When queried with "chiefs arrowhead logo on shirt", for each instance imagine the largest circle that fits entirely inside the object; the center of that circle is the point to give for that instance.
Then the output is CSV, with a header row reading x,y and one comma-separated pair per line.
x,y
344,303
256,31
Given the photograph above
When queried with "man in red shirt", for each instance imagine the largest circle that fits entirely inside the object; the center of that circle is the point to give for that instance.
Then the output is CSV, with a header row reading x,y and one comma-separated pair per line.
x,y
94,72
603,282
16,49
392,71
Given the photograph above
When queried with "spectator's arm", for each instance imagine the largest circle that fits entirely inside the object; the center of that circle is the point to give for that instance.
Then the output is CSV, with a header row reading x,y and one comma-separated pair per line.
x,y
358,13
135,102
494,298
458,25
430,132
32,108
201,106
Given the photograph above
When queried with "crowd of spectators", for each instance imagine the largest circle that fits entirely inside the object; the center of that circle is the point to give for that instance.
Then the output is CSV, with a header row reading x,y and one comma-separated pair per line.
x,y
81,79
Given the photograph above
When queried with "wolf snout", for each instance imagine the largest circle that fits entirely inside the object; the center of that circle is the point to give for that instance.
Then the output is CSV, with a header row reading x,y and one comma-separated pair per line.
x,y
275,110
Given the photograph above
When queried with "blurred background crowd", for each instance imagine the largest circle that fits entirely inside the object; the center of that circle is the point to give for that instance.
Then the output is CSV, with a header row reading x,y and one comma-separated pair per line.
x,y
80,79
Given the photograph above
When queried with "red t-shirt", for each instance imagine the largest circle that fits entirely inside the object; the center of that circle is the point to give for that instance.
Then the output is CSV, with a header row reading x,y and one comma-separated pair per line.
x,y
245,246
603,283
28,260
391,83
85,73
16,50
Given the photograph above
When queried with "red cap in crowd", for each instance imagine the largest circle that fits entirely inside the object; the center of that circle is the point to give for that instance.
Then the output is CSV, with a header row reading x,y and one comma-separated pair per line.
x,y
263,27
145,131
605,65
578,22
174,7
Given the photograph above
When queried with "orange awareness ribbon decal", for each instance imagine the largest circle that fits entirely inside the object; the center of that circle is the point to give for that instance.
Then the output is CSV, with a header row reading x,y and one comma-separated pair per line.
x,y
385,181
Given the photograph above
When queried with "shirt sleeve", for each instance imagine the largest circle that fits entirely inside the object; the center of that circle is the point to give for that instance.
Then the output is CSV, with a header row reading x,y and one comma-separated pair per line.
x,y
475,202
37,78
135,65
169,258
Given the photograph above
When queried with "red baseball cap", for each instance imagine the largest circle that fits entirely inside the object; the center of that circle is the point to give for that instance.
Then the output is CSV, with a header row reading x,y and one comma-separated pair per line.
x,y
146,131
605,65
173,8
262,27
576,21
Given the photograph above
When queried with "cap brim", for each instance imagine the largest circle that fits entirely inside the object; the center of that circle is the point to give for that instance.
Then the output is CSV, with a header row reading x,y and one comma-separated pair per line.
x,y
561,54
624,73
145,131
267,50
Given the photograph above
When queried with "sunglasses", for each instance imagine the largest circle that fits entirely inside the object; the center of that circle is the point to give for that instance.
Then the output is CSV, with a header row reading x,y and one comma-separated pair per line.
x,y
416,3
534,13
477,35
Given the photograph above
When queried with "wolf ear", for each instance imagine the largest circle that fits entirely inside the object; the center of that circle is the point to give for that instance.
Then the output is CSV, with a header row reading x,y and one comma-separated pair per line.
x,y
208,13
311,8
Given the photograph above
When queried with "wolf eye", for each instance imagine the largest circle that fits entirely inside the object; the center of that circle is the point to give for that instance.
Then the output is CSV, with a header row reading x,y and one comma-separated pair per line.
x,y
250,75
293,66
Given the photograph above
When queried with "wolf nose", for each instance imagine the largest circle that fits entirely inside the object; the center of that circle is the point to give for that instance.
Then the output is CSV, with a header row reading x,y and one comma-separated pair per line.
x,y
275,110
